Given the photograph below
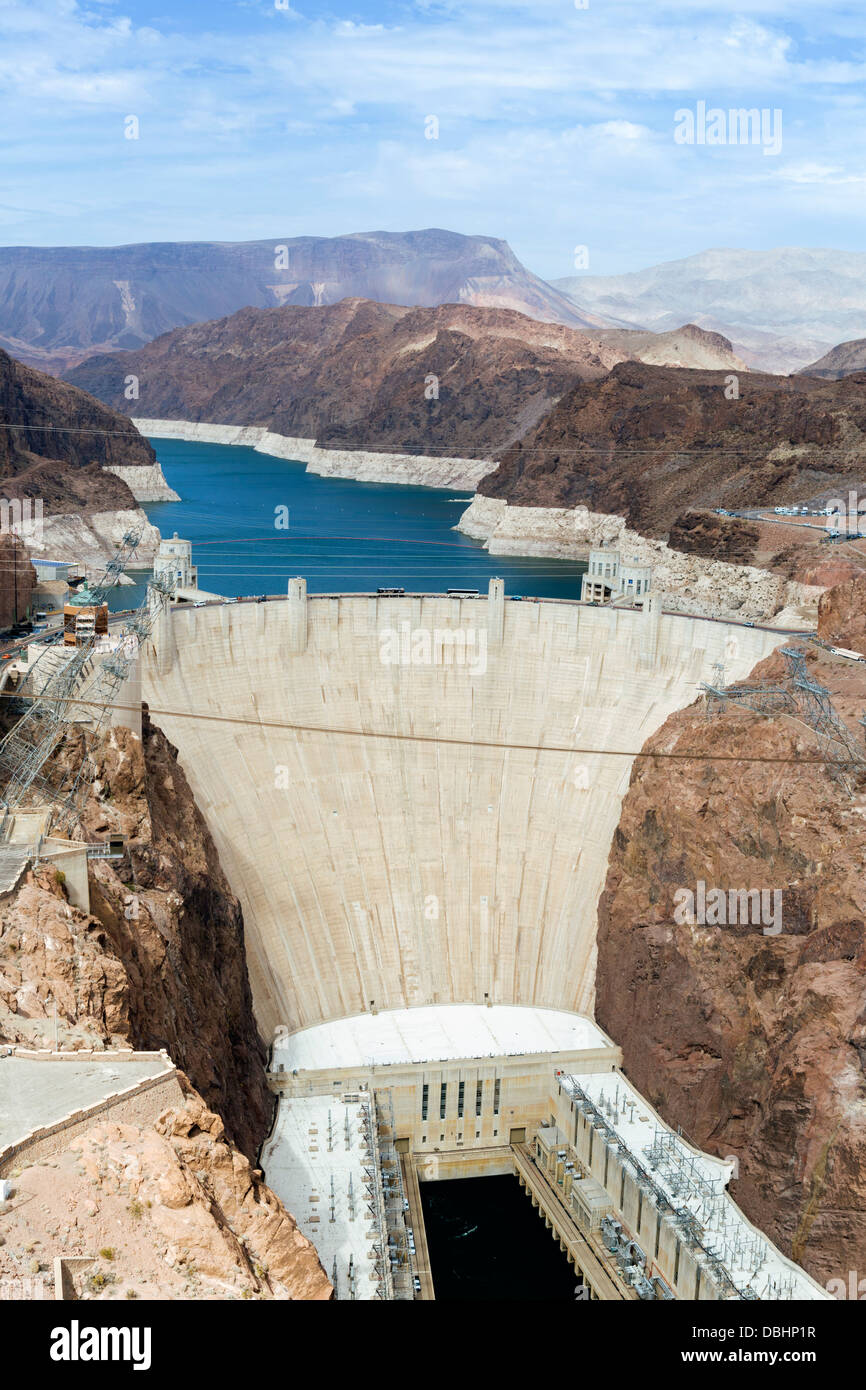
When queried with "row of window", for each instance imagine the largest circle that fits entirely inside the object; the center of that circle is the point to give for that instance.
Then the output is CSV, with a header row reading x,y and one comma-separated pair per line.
x,y
459,1136
461,1098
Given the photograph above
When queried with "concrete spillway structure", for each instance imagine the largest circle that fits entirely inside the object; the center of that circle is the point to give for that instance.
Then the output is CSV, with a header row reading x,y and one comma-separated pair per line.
x,y
433,832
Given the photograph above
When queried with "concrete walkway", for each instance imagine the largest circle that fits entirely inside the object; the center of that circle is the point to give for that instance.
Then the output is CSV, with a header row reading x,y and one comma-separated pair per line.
x,y
37,1092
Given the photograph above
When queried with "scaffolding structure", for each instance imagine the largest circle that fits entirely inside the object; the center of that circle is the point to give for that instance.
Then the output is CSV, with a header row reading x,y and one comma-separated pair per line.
x,y
374,1198
400,1259
47,715
800,697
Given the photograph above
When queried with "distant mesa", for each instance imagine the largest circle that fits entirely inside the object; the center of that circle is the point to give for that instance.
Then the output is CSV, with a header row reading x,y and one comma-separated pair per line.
x,y
60,304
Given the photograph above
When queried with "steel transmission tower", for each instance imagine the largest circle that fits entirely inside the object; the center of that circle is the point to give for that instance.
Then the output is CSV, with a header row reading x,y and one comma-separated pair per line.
x,y
803,698
26,749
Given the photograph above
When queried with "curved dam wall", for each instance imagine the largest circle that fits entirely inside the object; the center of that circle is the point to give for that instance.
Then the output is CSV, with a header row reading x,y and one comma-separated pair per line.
x,y
385,872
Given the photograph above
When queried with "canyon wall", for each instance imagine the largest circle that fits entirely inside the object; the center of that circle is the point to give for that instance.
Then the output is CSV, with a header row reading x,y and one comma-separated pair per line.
x,y
688,583
754,1041
172,1202
67,461
159,961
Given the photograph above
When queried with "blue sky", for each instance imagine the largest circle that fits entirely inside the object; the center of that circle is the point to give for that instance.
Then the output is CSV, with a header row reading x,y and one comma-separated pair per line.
x,y
555,124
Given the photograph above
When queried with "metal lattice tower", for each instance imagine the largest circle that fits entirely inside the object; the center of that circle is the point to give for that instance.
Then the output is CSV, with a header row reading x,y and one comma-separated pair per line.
x,y
26,749
113,671
802,698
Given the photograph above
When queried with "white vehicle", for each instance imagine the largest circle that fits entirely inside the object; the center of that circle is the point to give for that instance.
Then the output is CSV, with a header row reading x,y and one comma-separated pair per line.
x,y
848,654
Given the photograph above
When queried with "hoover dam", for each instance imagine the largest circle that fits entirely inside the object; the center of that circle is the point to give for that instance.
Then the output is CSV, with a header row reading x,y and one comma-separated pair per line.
x,y
422,831
414,797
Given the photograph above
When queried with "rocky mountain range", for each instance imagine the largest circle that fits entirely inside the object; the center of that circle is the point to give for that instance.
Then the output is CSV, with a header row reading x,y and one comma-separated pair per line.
x,y
840,361
454,379
781,308
60,304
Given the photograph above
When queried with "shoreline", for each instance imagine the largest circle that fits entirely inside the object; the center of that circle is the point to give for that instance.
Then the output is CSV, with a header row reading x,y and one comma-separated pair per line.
x,y
93,538
358,465
687,583
146,482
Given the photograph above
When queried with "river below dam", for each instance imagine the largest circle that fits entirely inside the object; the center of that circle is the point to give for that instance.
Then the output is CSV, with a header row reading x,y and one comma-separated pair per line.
x,y
342,536
487,1242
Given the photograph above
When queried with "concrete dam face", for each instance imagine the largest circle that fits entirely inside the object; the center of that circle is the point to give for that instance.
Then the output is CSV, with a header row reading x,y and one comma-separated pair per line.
x,y
430,831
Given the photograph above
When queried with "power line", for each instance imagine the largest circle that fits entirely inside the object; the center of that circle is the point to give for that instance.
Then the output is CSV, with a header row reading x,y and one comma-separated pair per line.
x,y
290,727
434,450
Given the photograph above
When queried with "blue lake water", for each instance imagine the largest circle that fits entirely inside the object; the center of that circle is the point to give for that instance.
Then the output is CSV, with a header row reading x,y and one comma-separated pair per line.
x,y
343,536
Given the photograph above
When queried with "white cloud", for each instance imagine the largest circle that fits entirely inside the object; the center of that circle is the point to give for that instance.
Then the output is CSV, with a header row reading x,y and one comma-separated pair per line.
x,y
555,124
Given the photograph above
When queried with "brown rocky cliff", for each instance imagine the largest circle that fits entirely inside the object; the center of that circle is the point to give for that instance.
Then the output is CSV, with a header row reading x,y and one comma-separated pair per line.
x,y
649,443
754,1043
56,440
842,614
354,374
160,961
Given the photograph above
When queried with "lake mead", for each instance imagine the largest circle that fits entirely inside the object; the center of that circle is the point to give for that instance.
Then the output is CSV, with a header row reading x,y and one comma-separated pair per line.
x,y
341,535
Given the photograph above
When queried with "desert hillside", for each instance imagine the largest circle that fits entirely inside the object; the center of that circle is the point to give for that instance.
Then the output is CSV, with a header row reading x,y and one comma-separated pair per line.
x,y
453,379
664,448
57,440
840,361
